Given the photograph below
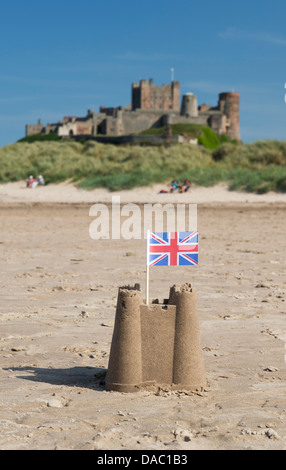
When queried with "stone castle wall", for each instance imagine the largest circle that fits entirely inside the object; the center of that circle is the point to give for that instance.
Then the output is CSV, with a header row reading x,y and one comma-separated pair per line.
x,y
146,96
152,106
229,105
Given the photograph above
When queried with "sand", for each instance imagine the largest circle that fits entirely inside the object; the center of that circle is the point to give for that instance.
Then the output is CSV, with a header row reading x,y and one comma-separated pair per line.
x,y
69,193
58,296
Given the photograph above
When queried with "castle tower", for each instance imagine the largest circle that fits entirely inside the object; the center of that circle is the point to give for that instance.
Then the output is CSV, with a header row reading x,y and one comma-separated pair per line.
x,y
189,106
147,96
229,104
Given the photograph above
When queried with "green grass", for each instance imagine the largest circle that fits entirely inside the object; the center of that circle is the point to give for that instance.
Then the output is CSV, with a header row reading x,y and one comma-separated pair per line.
x,y
41,137
258,167
205,135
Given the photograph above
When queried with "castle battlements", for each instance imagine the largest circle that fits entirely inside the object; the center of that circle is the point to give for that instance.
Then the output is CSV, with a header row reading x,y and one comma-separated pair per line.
x,y
156,344
151,106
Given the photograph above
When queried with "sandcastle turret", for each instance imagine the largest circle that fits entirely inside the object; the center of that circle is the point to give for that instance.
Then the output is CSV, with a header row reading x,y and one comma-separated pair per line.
x,y
125,363
156,344
188,368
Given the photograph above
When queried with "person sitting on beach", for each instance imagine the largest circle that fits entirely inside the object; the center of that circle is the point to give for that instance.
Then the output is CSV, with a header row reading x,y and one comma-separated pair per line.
x,y
174,186
185,186
30,181
41,180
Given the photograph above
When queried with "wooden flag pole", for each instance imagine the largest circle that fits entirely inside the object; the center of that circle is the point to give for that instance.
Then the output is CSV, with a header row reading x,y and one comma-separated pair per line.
x,y
147,284
147,269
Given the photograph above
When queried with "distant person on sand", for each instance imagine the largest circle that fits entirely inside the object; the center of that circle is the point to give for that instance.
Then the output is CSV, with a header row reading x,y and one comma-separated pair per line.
x,y
185,186
174,186
30,181
41,180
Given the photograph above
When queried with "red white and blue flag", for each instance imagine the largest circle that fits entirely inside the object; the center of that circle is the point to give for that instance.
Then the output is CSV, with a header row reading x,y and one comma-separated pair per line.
x,y
172,248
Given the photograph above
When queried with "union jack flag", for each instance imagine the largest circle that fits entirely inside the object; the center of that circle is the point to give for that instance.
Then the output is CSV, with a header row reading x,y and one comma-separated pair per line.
x,y
172,248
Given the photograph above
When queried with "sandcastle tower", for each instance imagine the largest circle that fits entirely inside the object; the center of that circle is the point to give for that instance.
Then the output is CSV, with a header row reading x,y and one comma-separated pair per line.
x,y
157,344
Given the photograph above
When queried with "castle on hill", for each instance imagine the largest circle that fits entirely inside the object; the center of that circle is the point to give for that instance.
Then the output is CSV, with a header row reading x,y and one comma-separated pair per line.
x,y
151,106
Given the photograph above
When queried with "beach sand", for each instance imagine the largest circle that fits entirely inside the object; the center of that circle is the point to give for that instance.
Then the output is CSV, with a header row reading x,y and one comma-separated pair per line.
x,y
58,296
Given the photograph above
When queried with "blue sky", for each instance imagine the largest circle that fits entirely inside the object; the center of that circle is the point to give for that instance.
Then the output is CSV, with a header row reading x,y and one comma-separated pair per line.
x,y
64,57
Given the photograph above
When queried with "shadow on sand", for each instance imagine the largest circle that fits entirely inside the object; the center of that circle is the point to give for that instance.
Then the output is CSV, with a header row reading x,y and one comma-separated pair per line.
x,y
86,377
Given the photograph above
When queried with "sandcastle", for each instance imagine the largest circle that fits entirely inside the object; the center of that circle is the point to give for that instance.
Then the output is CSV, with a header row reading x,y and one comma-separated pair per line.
x,y
157,343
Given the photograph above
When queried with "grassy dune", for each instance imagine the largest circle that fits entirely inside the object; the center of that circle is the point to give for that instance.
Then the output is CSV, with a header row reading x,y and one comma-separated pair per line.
x,y
257,167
